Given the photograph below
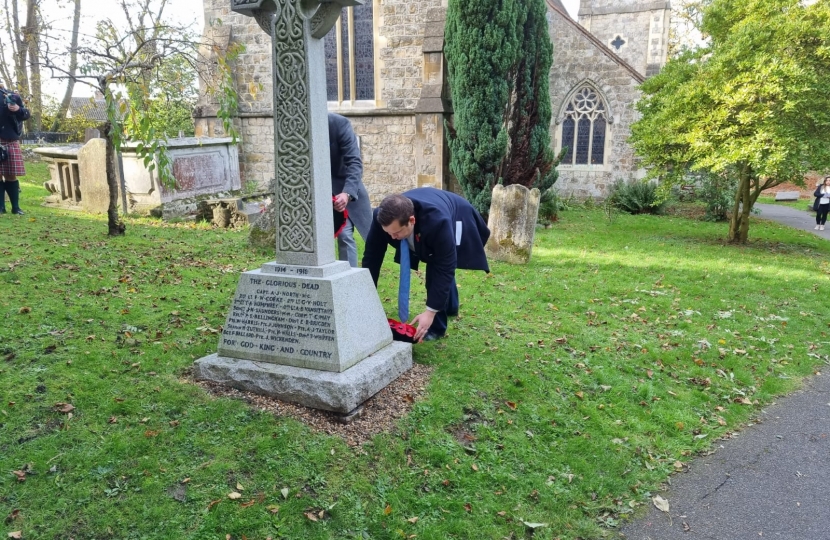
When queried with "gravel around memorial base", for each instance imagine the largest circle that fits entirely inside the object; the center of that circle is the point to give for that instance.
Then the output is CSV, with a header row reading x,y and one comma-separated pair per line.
x,y
380,412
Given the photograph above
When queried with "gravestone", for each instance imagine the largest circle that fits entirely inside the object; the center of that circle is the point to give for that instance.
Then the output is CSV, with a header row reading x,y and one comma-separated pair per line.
x,y
512,223
92,168
787,196
306,327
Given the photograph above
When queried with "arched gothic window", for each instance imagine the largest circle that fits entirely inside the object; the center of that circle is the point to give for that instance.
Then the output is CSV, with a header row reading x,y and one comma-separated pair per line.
x,y
584,129
350,56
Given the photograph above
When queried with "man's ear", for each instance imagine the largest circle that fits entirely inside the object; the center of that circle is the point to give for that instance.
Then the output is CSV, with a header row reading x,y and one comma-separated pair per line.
x,y
411,220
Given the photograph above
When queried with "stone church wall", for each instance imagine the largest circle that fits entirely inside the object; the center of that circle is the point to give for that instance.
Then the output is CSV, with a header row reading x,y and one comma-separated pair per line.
x,y
387,131
577,59
643,26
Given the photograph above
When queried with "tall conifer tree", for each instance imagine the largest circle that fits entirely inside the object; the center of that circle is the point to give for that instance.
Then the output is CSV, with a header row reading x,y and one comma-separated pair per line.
x,y
499,56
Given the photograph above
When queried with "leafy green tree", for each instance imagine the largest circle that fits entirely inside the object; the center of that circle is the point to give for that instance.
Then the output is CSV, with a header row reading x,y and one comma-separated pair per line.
x,y
753,103
139,69
499,56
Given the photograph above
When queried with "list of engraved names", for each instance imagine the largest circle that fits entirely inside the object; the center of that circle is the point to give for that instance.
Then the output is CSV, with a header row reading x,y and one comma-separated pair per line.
x,y
281,316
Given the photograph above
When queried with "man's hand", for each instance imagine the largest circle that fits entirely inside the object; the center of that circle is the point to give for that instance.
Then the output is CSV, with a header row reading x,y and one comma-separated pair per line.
x,y
14,107
340,202
422,322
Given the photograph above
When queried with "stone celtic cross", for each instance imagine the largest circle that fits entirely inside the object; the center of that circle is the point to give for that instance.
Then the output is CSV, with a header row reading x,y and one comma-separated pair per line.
x,y
302,201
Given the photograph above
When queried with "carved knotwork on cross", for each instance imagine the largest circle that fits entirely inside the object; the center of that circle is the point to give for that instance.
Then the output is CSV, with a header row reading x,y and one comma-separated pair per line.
x,y
322,13
303,195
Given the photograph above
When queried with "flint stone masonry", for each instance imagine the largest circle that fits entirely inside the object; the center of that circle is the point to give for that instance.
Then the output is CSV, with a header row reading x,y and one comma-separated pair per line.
x,y
386,128
399,151
336,392
512,223
617,84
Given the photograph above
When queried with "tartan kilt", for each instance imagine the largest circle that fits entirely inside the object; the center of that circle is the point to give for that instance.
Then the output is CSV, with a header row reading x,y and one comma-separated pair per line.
x,y
14,165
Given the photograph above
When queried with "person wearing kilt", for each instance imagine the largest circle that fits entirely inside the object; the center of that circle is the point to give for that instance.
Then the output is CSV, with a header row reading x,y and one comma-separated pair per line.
x,y
12,115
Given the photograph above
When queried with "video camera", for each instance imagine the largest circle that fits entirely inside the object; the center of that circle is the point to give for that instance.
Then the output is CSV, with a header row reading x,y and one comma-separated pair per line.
x,y
7,96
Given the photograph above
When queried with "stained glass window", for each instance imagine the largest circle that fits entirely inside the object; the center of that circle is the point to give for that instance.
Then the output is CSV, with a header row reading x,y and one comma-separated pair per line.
x,y
350,61
583,140
598,142
568,139
584,129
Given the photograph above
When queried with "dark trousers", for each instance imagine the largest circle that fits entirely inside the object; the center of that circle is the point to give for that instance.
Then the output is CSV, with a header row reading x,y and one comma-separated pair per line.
x,y
439,323
13,189
821,214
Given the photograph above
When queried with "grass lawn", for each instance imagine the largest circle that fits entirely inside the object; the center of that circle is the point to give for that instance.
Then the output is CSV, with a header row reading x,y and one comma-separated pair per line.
x,y
566,393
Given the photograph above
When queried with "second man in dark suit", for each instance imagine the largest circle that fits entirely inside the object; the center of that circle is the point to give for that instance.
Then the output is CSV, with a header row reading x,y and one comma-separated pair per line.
x,y
347,186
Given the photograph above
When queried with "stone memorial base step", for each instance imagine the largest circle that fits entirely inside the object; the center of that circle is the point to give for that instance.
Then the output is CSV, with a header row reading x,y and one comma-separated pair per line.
x,y
337,392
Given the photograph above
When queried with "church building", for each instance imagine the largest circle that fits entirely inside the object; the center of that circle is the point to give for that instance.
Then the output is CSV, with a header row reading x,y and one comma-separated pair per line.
x,y
386,72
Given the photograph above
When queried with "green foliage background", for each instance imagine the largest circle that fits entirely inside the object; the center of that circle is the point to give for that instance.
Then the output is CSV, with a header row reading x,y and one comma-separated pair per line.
x,y
499,56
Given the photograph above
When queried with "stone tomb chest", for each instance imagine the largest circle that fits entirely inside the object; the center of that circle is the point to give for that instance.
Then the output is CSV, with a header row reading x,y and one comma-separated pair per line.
x,y
202,167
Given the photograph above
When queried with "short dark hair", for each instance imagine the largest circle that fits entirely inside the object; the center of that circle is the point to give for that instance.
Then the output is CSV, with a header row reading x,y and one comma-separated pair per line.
x,y
395,207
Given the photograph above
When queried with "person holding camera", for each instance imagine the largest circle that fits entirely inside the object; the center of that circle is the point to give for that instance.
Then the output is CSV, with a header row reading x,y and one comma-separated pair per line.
x,y
822,203
12,115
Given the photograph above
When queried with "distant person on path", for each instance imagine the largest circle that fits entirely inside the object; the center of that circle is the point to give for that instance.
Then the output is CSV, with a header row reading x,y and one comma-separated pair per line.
x,y
12,115
439,228
822,203
347,186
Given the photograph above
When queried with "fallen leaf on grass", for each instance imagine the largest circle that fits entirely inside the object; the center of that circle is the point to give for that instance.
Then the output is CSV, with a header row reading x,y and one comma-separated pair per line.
x,y
511,404
213,503
15,514
534,526
16,534
64,407
112,420
273,508
284,492
21,475
413,520
387,510
234,495
248,504
23,310
468,507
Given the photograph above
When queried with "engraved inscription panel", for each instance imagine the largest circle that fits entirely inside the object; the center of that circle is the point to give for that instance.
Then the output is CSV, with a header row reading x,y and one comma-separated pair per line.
x,y
282,319
198,171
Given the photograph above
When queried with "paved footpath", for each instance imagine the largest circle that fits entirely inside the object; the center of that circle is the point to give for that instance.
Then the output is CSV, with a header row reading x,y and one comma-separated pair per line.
x,y
771,480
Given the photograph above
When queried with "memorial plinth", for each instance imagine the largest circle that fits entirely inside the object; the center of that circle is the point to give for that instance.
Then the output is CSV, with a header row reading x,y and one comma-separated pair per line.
x,y
304,328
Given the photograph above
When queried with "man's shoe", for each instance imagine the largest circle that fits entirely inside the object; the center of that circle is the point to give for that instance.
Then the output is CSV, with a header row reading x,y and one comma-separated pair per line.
x,y
432,336
19,212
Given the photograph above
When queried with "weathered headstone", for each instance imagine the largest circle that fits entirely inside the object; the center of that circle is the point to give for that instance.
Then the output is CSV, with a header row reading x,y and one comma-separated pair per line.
x,y
512,222
305,328
92,169
787,196
91,133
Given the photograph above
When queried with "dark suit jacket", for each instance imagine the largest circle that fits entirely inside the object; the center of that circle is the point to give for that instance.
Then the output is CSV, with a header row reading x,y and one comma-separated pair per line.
x,y
449,234
347,172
